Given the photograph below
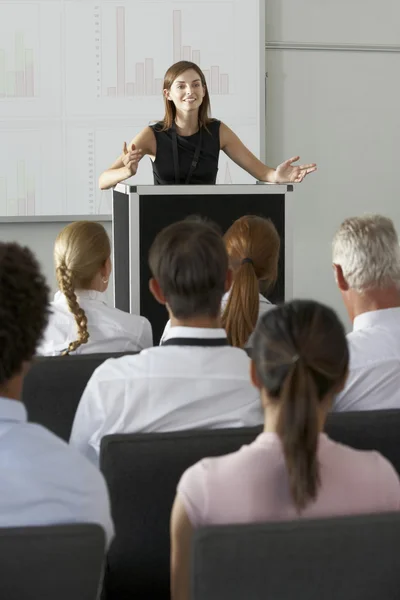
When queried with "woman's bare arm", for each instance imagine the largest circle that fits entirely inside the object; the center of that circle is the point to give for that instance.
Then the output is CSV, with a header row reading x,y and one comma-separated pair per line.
x,y
127,163
181,549
241,155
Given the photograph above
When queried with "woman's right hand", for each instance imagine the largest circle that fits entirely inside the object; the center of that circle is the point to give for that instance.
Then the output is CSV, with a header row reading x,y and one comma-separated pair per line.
x,y
131,158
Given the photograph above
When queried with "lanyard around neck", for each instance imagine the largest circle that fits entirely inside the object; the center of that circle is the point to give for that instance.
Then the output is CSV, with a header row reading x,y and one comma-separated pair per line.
x,y
175,156
210,342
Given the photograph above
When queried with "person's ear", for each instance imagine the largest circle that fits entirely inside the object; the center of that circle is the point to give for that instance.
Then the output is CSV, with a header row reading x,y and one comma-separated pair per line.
x,y
340,278
253,376
228,279
157,292
166,94
107,268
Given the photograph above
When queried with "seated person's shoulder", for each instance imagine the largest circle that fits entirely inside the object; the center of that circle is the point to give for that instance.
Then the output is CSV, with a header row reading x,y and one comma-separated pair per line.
x,y
121,368
38,450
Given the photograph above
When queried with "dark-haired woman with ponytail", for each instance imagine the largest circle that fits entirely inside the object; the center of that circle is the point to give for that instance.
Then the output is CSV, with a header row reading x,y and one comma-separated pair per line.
x,y
292,470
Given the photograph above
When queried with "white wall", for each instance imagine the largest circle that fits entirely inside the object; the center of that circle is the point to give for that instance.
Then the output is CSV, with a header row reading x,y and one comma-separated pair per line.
x,y
338,107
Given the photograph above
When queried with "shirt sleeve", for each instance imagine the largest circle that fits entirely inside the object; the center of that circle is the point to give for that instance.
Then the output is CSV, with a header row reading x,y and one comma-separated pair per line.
x,y
192,492
146,340
89,420
94,503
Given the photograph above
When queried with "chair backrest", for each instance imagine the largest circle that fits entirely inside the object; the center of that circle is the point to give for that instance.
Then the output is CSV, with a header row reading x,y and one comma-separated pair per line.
x,y
53,387
51,562
348,558
143,470
370,430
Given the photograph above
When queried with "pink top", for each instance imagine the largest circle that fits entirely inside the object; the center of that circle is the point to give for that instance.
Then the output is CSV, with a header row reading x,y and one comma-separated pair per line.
x,y
251,484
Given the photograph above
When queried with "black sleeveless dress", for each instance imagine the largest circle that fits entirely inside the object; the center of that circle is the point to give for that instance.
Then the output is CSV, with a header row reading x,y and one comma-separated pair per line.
x,y
206,169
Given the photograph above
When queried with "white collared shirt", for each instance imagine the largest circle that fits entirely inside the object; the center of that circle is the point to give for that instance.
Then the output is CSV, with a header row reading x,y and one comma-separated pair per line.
x,y
168,388
43,481
374,377
264,306
110,329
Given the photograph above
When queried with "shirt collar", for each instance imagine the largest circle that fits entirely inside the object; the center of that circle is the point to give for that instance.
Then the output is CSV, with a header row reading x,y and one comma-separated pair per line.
x,y
12,410
195,332
89,294
373,318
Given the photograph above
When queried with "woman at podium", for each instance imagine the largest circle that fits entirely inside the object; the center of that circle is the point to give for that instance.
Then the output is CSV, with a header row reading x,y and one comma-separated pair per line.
x,y
184,147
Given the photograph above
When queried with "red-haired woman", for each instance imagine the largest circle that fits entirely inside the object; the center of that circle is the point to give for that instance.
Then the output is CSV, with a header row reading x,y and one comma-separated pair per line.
x,y
184,146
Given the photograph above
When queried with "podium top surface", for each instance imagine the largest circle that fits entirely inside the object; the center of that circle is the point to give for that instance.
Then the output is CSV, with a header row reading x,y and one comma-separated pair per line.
x,y
191,190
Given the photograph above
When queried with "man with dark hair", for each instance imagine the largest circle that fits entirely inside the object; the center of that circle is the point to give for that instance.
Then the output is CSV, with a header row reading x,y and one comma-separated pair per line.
x,y
43,481
194,379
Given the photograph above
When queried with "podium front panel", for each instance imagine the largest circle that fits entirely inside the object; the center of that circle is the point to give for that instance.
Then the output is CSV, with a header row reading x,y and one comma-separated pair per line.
x,y
158,211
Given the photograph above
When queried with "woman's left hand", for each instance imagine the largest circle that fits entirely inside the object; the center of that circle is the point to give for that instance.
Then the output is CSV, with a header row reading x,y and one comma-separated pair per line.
x,y
289,173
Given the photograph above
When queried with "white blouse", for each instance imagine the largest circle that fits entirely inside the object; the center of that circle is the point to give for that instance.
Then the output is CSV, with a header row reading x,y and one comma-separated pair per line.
x,y
110,329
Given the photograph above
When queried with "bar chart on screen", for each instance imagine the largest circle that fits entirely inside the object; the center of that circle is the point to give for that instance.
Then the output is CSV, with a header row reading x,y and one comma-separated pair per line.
x,y
27,84
18,191
128,60
143,81
90,150
31,178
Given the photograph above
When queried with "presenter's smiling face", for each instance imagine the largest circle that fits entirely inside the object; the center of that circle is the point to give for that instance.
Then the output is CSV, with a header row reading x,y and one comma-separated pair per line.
x,y
187,91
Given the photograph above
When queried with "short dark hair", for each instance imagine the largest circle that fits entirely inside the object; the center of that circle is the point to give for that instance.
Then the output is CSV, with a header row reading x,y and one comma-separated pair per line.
x,y
190,263
23,308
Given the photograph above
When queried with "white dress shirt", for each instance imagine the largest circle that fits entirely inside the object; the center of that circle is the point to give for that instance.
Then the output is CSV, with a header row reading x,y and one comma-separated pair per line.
x,y
374,377
264,306
168,388
43,481
110,329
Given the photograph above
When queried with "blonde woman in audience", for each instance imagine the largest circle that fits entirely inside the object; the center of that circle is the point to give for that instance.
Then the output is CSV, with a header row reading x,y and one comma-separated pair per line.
x,y
81,322
253,246
292,470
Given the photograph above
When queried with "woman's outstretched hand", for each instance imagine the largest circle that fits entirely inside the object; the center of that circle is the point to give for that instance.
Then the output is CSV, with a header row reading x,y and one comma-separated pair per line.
x,y
289,173
131,158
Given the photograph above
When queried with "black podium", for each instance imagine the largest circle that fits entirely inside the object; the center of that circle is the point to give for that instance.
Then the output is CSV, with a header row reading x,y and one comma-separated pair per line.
x,y
140,212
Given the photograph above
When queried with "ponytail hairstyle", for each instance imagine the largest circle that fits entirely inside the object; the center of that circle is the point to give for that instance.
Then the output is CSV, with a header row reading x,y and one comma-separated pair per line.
x,y
80,251
301,355
253,246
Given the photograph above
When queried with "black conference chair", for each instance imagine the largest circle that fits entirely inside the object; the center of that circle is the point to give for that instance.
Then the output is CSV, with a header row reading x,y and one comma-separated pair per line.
x,y
143,470
370,430
351,558
57,562
54,385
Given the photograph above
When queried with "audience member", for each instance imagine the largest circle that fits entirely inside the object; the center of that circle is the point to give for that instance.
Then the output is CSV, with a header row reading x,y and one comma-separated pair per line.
x,y
43,481
253,245
81,322
366,260
194,379
292,470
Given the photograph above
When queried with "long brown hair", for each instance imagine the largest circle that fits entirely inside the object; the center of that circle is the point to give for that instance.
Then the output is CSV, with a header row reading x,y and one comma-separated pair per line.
x,y
170,110
81,249
300,353
253,246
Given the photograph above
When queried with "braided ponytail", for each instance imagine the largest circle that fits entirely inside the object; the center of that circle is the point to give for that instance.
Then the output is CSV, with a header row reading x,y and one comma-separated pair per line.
x,y
65,282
